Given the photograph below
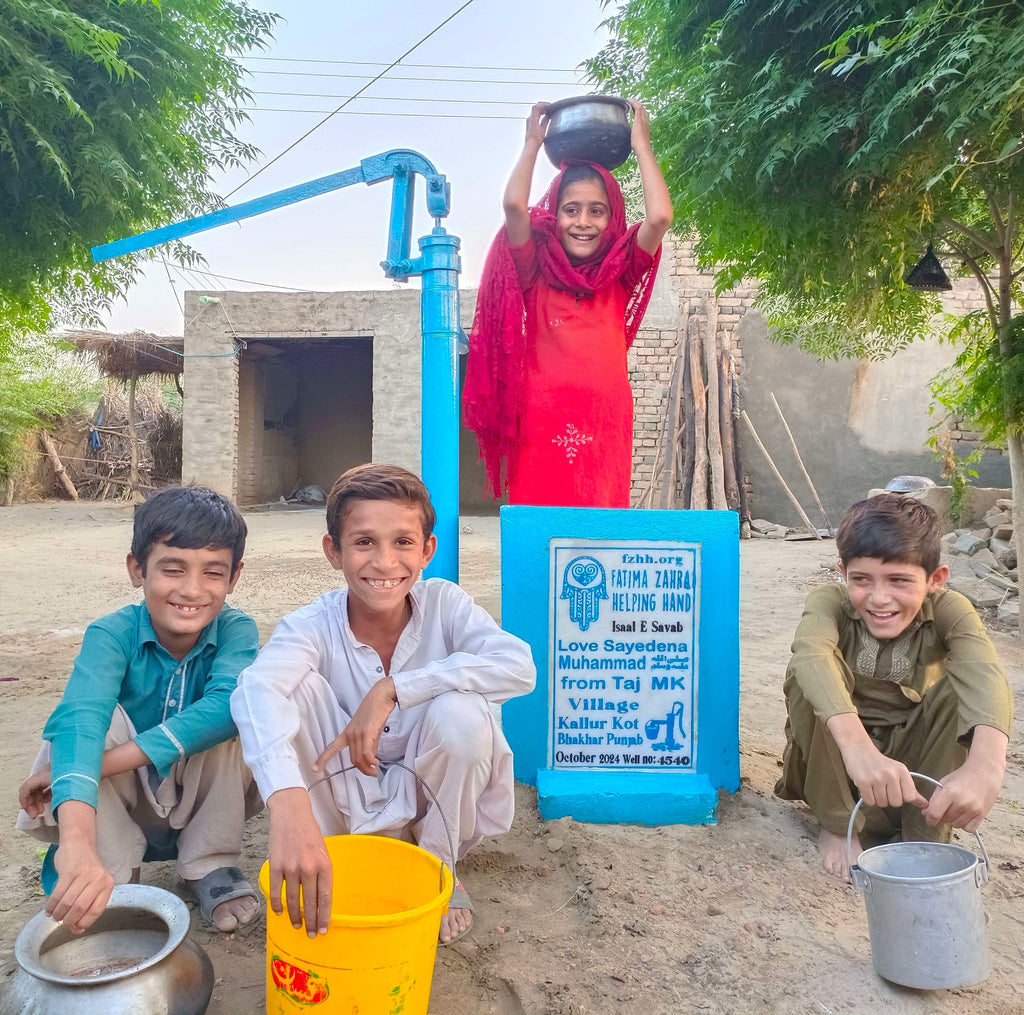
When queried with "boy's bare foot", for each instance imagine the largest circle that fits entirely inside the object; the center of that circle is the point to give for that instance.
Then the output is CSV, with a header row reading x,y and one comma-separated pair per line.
x,y
832,848
459,918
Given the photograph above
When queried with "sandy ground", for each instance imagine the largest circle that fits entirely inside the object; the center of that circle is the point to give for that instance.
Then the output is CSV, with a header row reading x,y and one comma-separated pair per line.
x,y
571,918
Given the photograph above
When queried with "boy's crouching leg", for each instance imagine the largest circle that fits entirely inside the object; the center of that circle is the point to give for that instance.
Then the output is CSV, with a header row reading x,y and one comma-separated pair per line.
x,y
209,796
463,757
120,807
455,756
813,771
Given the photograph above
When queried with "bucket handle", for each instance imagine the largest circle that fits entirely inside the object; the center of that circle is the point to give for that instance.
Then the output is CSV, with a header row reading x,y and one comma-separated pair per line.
x,y
860,880
444,821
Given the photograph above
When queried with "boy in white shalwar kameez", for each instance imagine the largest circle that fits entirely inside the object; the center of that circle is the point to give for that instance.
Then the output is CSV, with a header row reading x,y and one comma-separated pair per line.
x,y
393,669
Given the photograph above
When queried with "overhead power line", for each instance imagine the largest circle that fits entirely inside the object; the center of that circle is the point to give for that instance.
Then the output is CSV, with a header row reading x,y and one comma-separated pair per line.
x,y
247,281
403,98
435,66
408,77
358,112
317,126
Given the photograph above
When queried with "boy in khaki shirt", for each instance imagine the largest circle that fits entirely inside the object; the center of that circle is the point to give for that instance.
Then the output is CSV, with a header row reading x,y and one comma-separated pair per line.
x,y
892,673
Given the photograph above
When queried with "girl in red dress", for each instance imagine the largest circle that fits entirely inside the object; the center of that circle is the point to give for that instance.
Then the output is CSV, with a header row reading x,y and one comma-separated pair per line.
x,y
562,294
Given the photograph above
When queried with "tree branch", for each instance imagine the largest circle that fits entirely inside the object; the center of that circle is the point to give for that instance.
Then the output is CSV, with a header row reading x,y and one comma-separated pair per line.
x,y
993,207
972,234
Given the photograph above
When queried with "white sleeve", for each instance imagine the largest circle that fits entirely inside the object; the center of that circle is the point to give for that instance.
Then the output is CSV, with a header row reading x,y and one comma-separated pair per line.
x,y
484,658
262,707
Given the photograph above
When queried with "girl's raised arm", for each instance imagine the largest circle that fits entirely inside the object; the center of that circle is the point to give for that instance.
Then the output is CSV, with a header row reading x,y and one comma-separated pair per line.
x,y
517,191
657,202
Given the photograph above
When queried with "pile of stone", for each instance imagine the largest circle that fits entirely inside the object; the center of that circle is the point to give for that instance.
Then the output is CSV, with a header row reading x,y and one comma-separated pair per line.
x,y
982,561
761,528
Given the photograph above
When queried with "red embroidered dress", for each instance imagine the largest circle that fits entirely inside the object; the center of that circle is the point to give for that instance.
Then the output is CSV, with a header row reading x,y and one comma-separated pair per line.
x,y
547,390
576,445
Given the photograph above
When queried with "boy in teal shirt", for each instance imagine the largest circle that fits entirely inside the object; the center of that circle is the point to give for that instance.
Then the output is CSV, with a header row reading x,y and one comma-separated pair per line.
x,y
141,760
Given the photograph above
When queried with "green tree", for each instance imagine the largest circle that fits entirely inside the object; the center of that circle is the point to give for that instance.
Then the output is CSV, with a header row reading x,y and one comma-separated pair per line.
x,y
819,145
113,114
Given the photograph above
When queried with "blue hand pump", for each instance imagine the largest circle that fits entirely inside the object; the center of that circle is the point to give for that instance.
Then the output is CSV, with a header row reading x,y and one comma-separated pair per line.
x,y
439,264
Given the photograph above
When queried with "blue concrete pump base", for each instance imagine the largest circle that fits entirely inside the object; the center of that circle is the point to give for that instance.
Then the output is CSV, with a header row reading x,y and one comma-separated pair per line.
x,y
641,798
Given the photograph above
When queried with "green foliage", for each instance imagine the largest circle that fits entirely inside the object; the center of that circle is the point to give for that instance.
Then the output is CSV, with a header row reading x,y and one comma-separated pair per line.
x,y
983,385
957,469
818,145
40,378
113,113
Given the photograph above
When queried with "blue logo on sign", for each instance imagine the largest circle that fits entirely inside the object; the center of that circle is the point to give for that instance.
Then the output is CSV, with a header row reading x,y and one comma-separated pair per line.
x,y
583,584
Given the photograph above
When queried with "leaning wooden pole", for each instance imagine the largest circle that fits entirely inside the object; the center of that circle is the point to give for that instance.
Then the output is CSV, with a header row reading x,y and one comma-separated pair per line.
x,y
778,475
699,491
744,512
728,425
667,493
800,462
688,419
715,457
133,447
58,465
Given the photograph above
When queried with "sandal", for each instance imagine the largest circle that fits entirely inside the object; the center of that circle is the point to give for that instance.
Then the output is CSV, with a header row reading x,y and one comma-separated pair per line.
x,y
221,885
460,900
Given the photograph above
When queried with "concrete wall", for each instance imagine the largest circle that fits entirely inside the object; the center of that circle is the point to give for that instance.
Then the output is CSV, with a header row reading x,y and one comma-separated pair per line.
x,y
857,424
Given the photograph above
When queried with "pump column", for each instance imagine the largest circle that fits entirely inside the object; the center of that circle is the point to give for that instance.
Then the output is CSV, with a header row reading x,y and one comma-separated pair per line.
x,y
439,310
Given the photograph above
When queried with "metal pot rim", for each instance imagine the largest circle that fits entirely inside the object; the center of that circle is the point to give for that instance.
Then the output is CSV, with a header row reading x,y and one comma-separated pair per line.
x,y
579,100
156,901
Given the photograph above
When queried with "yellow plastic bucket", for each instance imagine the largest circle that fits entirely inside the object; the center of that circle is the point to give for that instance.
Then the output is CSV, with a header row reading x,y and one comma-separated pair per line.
x,y
377,958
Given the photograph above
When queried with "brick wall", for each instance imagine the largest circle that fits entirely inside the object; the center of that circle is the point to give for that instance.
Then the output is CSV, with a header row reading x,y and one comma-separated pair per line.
x,y
654,351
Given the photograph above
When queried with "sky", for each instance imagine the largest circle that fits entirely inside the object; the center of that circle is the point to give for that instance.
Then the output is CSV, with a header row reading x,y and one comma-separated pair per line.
x,y
468,122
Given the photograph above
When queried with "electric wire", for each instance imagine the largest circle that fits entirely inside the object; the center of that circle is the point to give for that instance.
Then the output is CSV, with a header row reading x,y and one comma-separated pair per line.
x,y
433,66
408,77
317,126
400,98
249,281
356,112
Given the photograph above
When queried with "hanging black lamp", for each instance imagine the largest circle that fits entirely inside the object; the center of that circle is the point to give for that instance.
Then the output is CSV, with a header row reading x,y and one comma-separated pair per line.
x,y
927,275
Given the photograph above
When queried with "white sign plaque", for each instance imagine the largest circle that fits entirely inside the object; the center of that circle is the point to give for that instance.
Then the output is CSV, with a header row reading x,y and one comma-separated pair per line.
x,y
623,655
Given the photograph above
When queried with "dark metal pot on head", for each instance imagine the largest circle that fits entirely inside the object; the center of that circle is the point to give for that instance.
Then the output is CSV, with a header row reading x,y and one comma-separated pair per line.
x,y
594,128
136,959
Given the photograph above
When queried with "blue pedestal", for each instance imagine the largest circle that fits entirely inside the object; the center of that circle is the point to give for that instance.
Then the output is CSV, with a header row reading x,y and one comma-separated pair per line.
x,y
635,716
639,798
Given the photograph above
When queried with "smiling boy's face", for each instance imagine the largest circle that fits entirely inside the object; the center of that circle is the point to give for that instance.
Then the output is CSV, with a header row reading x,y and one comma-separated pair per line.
x,y
888,596
184,590
382,553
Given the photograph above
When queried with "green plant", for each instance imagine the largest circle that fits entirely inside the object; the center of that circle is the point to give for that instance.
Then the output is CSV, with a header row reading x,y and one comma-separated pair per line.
x,y
40,378
957,469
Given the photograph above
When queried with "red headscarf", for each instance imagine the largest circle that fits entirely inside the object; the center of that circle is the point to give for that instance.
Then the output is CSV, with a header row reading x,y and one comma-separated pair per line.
x,y
492,395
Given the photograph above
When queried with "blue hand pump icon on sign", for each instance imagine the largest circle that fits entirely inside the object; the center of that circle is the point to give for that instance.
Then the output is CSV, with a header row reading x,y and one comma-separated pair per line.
x,y
671,720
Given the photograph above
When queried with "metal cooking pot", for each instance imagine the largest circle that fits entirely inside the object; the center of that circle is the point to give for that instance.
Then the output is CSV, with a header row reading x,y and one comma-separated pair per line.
x,y
590,127
135,959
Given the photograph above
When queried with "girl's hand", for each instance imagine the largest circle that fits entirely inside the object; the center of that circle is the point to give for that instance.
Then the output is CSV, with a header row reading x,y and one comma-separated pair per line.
x,y
537,123
640,137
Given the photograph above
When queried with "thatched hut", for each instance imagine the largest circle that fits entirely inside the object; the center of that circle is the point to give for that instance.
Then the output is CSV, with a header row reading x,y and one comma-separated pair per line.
x,y
127,358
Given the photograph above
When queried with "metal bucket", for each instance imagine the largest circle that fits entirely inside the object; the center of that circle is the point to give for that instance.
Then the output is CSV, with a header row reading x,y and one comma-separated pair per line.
x,y
925,914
